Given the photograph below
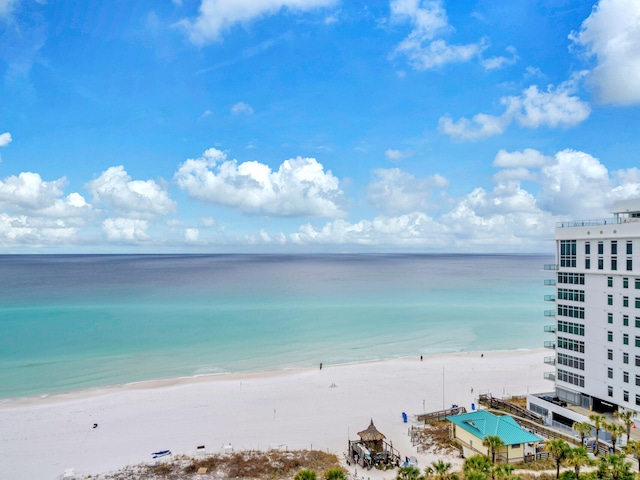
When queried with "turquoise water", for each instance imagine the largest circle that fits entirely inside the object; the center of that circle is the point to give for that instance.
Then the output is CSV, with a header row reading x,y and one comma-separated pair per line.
x,y
71,322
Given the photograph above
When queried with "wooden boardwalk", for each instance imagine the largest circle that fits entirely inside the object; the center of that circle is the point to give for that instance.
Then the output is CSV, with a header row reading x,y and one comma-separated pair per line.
x,y
440,414
517,410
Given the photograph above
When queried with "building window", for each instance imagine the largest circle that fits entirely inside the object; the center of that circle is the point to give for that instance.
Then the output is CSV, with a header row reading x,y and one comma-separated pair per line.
x,y
625,396
587,264
570,377
567,253
610,372
600,263
629,248
638,322
570,294
625,340
609,281
614,247
637,302
587,248
637,399
609,299
625,282
637,380
570,361
610,336
625,301
600,248
637,360
610,355
625,320
609,317
614,263
629,264
625,358
637,282
625,377
570,327
571,278
570,344
610,390
570,311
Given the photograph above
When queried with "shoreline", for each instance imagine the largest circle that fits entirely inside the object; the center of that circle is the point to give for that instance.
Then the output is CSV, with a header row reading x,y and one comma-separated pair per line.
x,y
296,408
196,377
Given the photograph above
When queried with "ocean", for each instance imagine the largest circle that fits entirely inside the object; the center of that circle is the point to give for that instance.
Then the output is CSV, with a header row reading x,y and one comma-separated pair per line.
x,y
71,322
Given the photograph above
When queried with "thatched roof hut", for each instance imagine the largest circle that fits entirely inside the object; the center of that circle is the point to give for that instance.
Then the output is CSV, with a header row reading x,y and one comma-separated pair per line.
x,y
372,438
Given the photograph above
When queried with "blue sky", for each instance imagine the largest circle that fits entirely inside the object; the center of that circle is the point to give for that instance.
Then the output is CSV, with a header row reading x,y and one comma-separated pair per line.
x,y
313,125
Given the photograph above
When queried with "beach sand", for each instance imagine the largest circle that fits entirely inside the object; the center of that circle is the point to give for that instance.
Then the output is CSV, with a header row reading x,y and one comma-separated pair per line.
x,y
293,409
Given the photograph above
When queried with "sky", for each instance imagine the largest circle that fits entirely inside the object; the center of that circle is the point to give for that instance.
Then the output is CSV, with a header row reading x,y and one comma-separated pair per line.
x,y
293,126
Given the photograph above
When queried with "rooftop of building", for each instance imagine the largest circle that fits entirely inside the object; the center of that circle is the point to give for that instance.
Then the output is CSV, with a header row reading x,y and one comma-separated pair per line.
x,y
482,423
624,211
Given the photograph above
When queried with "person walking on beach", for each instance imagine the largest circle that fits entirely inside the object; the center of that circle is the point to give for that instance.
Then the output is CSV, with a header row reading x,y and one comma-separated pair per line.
x,y
320,365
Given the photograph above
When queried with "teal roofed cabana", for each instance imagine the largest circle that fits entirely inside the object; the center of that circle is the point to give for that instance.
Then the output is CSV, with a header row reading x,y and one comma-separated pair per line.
x,y
470,429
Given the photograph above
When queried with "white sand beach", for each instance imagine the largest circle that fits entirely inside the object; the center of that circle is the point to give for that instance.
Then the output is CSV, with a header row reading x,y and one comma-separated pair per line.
x,y
294,409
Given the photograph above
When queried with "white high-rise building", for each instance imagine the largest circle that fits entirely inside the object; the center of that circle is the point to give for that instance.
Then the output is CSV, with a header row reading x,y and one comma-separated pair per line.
x,y
597,311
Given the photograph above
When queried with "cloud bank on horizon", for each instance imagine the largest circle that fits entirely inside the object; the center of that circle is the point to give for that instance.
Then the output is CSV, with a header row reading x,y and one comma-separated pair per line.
x,y
313,125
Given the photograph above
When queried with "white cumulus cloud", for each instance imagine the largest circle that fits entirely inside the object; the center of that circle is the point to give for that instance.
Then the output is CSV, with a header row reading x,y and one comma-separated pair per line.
x,y
396,155
134,198
191,235
495,63
395,191
125,229
242,108
529,157
611,34
21,230
300,186
555,107
421,47
217,16
5,139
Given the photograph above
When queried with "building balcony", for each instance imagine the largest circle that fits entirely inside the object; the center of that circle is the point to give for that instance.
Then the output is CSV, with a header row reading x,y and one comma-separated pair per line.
x,y
550,313
550,328
589,223
550,344
550,376
549,298
550,266
550,360
550,283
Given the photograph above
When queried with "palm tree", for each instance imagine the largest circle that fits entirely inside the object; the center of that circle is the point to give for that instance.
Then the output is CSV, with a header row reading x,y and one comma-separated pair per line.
x,y
305,475
597,420
615,467
576,457
492,442
477,467
633,448
615,430
583,428
441,468
504,471
335,474
627,417
428,471
407,473
559,449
